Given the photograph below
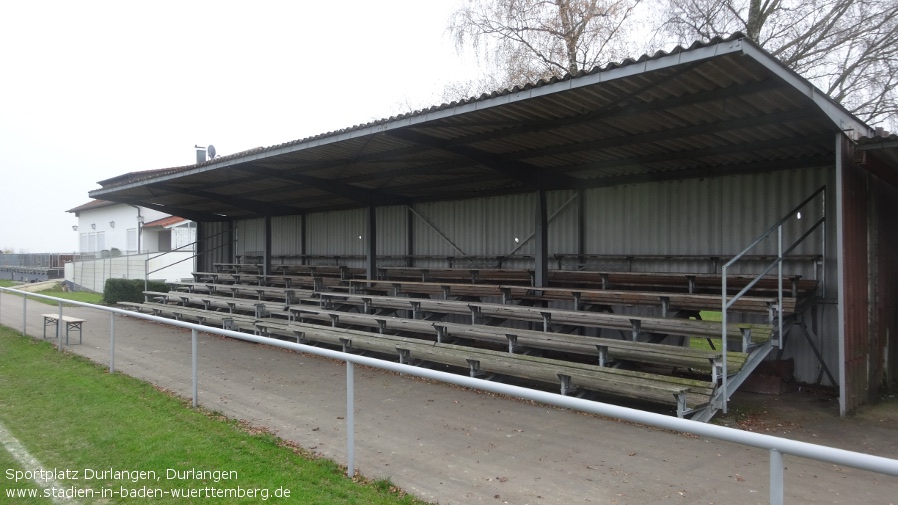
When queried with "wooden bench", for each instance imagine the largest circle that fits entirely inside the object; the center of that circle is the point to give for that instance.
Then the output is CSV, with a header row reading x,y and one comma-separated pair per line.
x,y
793,285
238,267
472,275
317,283
606,349
71,323
517,340
223,320
685,394
209,302
636,325
715,260
578,297
261,293
341,272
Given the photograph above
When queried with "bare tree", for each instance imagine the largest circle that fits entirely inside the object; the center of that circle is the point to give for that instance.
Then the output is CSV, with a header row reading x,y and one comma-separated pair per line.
x,y
528,40
848,48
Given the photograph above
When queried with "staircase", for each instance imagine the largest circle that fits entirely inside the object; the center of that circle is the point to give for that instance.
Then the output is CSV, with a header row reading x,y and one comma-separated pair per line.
x,y
731,380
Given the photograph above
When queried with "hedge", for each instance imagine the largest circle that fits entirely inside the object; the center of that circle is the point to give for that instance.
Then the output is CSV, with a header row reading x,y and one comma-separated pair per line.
x,y
129,290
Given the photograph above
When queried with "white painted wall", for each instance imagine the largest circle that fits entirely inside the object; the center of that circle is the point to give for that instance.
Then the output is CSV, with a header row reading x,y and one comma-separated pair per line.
x,y
112,224
108,227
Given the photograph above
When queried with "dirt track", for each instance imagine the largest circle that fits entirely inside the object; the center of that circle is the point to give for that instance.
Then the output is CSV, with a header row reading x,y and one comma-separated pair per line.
x,y
454,446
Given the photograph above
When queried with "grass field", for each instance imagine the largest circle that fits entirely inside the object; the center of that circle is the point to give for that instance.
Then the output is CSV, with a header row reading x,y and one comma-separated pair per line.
x,y
71,414
78,296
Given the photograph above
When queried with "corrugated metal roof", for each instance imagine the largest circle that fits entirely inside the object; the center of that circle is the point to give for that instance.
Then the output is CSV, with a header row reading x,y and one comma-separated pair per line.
x,y
711,109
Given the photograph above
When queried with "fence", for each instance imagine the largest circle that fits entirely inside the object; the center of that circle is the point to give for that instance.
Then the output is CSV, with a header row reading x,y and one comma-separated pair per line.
x,y
30,267
91,273
777,447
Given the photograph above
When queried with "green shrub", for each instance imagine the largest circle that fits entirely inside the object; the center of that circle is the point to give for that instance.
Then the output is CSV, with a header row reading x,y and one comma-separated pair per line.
x,y
129,290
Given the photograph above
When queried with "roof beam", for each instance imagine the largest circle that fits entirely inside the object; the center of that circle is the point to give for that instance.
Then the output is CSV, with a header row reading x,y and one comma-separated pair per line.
x,y
174,210
529,175
255,206
626,105
611,111
507,128
710,171
626,139
823,139
354,193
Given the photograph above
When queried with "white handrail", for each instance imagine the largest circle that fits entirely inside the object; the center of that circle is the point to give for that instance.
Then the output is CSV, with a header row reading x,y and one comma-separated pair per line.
x,y
777,446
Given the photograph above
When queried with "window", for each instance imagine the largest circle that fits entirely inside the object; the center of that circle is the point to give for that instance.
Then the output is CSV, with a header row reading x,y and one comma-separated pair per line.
x,y
132,239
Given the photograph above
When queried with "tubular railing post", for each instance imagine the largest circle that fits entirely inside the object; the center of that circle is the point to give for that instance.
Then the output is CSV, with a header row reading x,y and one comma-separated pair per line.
x,y
24,313
193,362
111,342
59,329
776,477
350,420
779,280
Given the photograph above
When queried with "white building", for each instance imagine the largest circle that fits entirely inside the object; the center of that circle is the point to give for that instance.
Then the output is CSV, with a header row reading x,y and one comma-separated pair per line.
x,y
117,240
119,229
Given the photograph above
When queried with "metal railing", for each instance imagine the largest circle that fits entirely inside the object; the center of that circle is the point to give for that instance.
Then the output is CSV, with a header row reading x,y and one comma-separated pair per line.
x,y
776,446
778,262
146,263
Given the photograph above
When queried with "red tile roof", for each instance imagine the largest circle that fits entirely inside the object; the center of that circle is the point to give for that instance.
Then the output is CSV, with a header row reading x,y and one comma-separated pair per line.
x,y
165,222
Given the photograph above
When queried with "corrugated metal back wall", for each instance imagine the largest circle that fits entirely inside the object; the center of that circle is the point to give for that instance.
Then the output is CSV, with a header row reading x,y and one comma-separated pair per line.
x,y
337,233
213,245
250,238
286,239
392,231
714,216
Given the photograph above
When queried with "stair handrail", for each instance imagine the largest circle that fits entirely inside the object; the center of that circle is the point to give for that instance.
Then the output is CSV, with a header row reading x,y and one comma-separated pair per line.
x,y
146,262
778,262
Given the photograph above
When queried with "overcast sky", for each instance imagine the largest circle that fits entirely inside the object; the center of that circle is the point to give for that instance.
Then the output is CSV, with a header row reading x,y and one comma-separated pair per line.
x,y
92,90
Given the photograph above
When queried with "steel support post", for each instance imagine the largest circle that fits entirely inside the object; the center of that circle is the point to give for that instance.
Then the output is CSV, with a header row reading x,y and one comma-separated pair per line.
x,y
193,363
823,246
541,256
24,313
776,477
350,420
371,245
